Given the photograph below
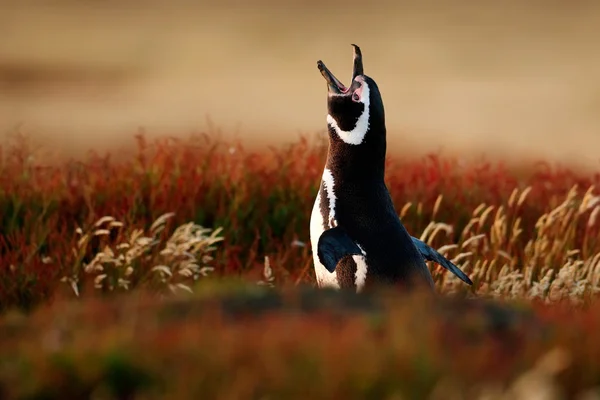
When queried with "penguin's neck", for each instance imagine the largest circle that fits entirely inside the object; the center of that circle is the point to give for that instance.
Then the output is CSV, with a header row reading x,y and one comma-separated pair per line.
x,y
357,163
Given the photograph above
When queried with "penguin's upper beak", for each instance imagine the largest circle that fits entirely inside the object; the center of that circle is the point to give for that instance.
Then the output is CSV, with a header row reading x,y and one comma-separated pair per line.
x,y
334,84
358,63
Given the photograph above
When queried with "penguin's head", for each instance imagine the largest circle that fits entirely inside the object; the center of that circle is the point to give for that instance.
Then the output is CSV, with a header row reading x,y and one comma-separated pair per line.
x,y
354,112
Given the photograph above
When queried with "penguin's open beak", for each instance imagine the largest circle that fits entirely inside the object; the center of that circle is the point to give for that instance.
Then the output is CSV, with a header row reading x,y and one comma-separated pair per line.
x,y
334,84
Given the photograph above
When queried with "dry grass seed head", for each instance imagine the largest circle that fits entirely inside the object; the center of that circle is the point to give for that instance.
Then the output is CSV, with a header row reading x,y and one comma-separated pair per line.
x,y
185,249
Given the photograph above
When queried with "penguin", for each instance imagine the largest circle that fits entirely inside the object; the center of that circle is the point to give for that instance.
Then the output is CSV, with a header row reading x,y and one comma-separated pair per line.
x,y
357,238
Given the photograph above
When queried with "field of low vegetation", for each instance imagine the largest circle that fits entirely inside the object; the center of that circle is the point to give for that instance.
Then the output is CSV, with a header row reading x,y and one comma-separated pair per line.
x,y
182,269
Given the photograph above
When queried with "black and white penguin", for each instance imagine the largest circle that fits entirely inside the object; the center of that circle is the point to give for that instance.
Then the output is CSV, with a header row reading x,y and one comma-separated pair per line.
x,y
356,234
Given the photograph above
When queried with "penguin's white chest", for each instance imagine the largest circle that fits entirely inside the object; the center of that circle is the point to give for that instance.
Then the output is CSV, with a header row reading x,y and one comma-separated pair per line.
x,y
323,218
318,225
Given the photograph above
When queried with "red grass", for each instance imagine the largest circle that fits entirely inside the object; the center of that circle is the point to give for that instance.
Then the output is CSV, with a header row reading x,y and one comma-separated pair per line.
x,y
261,199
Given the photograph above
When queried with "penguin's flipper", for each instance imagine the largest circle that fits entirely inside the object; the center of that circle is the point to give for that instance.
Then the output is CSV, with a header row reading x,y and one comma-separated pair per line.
x,y
334,244
430,254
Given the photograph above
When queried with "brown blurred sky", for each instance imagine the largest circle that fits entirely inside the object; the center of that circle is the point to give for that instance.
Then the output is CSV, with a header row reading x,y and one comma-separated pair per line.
x,y
511,78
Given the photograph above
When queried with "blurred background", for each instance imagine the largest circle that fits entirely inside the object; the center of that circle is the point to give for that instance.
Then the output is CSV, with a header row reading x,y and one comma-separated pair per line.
x,y
509,79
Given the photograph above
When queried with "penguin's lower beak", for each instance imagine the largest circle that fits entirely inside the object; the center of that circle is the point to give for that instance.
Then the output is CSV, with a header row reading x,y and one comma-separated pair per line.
x,y
334,84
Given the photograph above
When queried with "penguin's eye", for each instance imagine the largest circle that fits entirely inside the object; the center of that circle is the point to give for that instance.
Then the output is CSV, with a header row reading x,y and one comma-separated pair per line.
x,y
355,96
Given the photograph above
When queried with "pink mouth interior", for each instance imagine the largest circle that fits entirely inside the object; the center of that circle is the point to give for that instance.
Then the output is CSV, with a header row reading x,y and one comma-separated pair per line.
x,y
342,88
